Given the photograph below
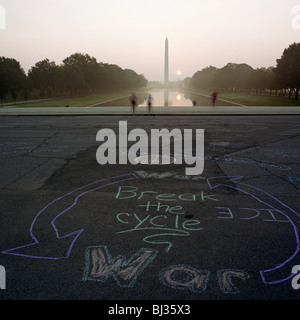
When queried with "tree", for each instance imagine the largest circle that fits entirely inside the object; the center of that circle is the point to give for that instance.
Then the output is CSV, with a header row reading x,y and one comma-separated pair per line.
x,y
142,81
261,79
134,80
74,80
12,77
78,74
204,79
81,72
26,88
233,76
288,69
43,77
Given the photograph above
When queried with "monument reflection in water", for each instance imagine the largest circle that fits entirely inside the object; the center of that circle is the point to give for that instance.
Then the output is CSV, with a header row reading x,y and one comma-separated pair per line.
x,y
168,98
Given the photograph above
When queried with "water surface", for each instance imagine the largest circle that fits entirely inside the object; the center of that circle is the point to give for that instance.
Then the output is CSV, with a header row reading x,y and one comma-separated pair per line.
x,y
167,98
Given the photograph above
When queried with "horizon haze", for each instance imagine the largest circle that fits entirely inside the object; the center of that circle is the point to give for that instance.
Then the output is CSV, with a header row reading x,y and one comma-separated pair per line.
x,y
132,33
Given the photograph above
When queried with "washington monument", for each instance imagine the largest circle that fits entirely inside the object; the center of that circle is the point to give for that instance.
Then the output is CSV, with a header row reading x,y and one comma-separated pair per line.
x,y
166,78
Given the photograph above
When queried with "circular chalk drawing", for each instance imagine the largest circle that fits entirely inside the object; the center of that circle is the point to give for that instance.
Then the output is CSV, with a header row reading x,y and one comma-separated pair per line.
x,y
38,249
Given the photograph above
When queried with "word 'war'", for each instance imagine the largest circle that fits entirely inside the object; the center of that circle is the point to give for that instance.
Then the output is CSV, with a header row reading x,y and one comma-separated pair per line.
x,y
182,143
100,266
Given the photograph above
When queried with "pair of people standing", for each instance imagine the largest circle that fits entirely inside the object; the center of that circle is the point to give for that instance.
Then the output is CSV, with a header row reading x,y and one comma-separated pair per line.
x,y
133,100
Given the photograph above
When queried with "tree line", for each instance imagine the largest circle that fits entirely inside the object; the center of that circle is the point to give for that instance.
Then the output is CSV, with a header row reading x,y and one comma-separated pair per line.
x,y
78,74
282,80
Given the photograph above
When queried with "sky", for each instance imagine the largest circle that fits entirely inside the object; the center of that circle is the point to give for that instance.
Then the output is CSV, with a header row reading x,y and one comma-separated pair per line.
x,y
132,33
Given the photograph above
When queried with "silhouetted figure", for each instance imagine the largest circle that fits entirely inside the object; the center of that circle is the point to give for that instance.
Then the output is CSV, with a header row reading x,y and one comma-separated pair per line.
x,y
194,103
214,97
133,101
149,103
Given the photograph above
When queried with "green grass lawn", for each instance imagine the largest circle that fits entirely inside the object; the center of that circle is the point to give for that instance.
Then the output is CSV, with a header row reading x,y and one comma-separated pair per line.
x,y
254,100
82,101
93,99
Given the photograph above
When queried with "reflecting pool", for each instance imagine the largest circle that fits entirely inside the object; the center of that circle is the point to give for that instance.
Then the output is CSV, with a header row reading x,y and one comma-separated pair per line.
x,y
166,98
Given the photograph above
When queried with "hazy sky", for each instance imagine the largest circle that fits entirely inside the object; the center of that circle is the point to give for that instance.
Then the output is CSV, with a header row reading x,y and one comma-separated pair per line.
x,y
131,33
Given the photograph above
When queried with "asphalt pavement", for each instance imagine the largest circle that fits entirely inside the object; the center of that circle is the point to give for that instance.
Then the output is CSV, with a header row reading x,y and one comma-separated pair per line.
x,y
74,229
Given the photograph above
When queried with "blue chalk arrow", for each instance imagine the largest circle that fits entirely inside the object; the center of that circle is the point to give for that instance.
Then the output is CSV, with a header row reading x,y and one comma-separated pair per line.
x,y
52,245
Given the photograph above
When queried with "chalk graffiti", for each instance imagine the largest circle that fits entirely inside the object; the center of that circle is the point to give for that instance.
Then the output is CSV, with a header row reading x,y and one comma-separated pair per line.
x,y
164,230
156,175
275,207
188,278
270,215
294,179
100,265
185,278
162,216
225,280
166,221
134,192
169,223
273,275
49,213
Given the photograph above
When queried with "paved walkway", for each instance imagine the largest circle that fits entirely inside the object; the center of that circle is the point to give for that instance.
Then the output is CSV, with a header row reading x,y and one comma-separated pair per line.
x,y
231,233
228,110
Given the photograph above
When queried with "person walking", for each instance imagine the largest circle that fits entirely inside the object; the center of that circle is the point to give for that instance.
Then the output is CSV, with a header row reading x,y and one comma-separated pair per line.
x,y
214,97
149,103
133,101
